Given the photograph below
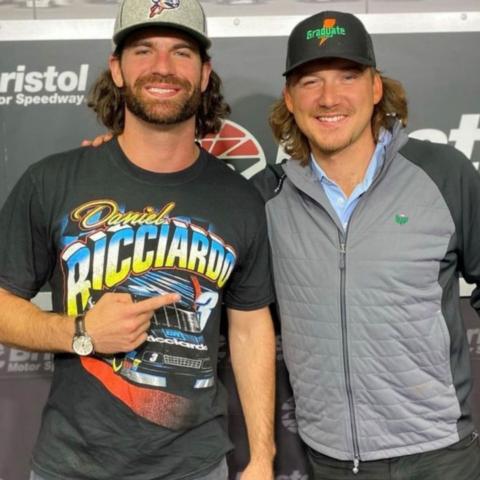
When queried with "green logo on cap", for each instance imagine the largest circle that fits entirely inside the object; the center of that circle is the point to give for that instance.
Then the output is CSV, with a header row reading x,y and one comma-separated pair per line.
x,y
329,30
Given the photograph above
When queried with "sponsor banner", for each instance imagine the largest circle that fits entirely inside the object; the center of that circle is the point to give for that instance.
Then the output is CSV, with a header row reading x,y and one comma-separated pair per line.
x,y
19,364
49,87
472,324
45,96
238,147
43,87
473,335
464,137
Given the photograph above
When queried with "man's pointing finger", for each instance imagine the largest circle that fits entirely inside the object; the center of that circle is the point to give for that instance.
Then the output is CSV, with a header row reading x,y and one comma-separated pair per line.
x,y
151,304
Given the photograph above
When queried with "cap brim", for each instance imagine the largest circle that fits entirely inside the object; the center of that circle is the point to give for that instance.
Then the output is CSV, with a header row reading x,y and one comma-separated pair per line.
x,y
121,36
353,58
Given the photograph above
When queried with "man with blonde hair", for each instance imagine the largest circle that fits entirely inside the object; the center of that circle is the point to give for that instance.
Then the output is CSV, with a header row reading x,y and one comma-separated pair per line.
x,y
143,240
369,233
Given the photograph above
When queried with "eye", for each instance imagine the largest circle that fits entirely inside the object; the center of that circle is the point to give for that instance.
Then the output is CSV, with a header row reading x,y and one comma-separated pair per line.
x,y
141,51
350,75
308,81
183,52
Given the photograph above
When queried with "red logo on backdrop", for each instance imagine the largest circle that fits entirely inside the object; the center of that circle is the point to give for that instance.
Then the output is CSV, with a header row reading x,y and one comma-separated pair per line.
x,y
160,5
238,147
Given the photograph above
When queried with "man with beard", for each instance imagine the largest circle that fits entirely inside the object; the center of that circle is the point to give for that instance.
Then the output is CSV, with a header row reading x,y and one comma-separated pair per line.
x,y
142,241
369,233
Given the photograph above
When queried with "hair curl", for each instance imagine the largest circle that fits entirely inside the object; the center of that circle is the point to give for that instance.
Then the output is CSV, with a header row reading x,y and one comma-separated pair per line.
x,y
107,101
393,105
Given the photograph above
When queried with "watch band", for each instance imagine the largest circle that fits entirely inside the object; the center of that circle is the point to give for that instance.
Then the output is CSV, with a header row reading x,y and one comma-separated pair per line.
x,y
80,324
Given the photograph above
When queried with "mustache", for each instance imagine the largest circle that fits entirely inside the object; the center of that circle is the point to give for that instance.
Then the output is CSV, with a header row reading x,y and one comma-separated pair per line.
x,y
158,78
331,113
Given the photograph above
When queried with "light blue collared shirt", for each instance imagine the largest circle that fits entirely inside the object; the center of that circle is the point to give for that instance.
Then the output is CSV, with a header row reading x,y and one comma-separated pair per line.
x,y
342,205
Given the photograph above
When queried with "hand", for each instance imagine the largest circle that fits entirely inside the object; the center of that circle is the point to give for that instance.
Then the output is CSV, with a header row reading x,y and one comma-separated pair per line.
x,y
258,470
98,140
117,324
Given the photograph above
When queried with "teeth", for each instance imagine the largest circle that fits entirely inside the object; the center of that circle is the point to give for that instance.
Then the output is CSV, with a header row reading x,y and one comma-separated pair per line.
x,y
336,118
161,90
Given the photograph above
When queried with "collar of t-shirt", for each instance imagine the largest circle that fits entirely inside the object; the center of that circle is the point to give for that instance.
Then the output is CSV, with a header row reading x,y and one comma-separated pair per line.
x,y
342,205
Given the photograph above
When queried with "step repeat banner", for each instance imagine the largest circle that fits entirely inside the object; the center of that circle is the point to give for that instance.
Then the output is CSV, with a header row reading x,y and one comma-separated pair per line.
x,y
43,86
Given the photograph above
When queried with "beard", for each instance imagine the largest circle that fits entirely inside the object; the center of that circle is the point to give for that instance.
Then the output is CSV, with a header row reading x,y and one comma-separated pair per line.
x,y
334,146
163,111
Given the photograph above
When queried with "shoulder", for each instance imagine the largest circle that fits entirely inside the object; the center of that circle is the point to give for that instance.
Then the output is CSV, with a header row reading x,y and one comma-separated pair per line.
x,y
269,181
58,166
227,179
68,158
435,157
451,171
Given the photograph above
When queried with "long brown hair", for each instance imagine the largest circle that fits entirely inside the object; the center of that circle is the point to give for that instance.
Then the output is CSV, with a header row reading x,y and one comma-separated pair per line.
x,y
393,105
107,101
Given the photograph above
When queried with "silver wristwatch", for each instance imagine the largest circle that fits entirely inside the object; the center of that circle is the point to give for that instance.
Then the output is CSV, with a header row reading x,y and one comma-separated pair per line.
x,y
82,343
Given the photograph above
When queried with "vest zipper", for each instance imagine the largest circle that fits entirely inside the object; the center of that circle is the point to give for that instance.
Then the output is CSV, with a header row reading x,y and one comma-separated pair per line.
x,y
356,465
346,361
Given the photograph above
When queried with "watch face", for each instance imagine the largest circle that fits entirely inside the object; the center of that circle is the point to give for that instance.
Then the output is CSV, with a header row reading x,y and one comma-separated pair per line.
x,y
82,345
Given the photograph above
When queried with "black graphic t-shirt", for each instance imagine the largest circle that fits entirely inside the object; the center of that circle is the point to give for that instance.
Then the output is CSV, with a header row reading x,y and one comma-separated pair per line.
x,y
89,222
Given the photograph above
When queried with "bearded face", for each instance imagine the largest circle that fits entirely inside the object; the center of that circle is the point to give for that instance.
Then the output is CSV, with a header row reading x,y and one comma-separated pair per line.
x,y
146,99
161,75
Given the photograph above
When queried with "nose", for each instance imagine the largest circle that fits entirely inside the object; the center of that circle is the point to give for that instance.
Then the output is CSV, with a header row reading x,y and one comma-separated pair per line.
x,y
328,95
162,63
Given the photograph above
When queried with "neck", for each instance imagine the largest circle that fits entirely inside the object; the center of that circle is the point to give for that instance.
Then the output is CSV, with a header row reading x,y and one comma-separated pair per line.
x,y
159,148
347,167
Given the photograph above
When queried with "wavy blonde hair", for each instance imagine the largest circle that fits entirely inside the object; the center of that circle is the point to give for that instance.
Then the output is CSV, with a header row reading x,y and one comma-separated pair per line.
x,y
393,105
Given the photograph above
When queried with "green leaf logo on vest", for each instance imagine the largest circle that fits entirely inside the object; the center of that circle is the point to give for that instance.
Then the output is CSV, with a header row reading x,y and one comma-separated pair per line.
x,y
329,30
401,218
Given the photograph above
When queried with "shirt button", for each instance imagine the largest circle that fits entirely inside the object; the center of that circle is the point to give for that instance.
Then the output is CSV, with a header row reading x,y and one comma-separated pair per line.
x,y
341,202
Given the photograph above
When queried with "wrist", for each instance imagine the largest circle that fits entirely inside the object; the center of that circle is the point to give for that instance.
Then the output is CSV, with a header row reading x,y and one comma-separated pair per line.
x,y
82,342
265,456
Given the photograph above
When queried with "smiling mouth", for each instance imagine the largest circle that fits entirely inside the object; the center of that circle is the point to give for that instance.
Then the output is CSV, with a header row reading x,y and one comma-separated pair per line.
x,y
163,91
331,118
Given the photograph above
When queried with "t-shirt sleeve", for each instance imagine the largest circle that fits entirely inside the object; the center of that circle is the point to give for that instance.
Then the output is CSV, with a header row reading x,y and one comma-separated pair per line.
x,y
250,286
25,258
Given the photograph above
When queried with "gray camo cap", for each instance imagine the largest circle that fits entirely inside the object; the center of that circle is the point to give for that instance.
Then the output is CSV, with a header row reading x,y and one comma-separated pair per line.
x,y
184,15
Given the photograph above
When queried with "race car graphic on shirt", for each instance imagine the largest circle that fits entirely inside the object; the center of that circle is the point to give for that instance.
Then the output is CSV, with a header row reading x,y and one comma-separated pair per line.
x,y
107,248
175,355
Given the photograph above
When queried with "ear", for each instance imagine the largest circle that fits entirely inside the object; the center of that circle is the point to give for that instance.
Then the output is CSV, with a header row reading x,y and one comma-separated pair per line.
x,y
287,98
116,70
205,77
377,88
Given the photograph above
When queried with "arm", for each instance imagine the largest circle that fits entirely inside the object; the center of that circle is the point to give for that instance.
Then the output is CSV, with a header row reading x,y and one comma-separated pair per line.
x,y
470,232
115,323
459,184
23,325
252,350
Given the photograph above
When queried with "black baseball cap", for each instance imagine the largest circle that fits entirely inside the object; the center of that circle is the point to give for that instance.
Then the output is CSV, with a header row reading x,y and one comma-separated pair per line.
x,y
329,34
